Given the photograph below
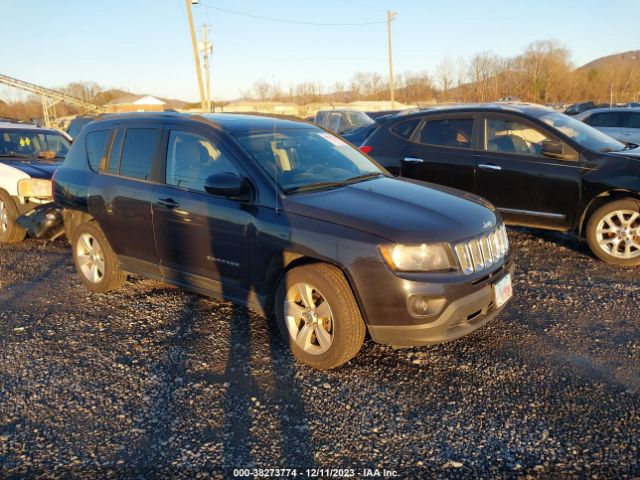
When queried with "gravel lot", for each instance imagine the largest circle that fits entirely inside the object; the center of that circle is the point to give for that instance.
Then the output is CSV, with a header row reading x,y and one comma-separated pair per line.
x,y
154,381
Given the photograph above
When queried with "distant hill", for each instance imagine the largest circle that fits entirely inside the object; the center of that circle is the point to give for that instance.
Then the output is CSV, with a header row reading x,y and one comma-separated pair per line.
x,y
632,58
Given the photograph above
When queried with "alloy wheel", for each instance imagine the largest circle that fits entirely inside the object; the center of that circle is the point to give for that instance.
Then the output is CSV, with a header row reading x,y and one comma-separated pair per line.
x,y
90,258
618,234
309,319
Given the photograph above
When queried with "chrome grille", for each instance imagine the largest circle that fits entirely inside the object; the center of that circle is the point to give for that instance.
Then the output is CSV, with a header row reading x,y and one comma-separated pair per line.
x,y
484,251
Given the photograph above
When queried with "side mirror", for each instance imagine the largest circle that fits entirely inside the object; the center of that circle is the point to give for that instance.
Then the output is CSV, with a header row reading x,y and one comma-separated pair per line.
x,y
228,185
553,149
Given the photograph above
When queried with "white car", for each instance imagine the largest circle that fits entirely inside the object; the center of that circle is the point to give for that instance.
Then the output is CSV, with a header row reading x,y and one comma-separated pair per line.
x,y
623,124
28,157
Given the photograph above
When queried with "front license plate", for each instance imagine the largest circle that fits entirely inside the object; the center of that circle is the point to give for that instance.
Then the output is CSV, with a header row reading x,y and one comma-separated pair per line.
x,y
502,291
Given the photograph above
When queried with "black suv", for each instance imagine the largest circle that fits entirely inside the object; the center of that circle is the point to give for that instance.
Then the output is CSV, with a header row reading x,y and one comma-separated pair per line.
x,y
539,167
282,216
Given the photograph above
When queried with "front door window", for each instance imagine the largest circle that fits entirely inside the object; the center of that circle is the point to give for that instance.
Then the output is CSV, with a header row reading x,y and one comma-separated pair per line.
x,y
509,136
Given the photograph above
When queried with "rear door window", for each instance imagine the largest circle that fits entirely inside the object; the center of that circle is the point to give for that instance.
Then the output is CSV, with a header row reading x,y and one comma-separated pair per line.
x,y
138,151
605,119
447,132
633,120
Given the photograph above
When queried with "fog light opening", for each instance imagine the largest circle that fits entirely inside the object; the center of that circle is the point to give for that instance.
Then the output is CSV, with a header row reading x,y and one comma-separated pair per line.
x,y
424,306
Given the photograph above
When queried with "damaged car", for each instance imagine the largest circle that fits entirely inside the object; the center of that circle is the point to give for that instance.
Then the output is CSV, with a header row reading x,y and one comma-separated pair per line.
x,y
29,155
284,218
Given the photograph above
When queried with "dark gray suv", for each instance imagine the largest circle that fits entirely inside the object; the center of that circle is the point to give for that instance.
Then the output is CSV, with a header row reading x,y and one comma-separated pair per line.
x,y
282,217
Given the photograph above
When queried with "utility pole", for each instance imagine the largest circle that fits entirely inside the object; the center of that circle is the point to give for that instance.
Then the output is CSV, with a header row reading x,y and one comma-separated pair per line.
x,y
392,91
207,49
195,54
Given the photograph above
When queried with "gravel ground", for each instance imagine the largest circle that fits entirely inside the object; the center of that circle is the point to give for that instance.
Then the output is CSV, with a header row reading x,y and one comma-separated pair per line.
x,y
154,381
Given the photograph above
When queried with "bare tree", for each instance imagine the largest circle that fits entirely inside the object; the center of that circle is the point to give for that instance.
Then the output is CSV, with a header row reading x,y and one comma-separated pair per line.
x,y
445,78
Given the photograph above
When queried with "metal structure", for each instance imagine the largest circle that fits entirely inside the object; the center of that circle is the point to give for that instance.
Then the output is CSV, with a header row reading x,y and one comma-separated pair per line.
x,y
49,97
206,48
194,44
392,90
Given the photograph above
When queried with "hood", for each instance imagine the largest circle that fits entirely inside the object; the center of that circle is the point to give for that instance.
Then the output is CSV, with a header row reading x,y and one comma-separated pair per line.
x,y
400,210
635,153
33,167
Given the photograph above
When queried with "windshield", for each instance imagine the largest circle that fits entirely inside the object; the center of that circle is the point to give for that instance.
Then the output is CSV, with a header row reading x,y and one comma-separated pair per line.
x,y
307,159
585,135
358,119
33,143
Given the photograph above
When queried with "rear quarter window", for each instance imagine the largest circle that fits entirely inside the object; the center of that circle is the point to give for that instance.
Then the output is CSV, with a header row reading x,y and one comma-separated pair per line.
x,y
96,144
406,128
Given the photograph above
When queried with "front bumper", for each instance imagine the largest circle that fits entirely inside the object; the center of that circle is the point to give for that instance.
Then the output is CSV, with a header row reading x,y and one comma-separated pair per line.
x,y
467,307
43,222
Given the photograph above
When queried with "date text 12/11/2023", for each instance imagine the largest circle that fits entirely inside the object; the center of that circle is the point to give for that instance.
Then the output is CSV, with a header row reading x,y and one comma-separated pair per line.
x,y
315,472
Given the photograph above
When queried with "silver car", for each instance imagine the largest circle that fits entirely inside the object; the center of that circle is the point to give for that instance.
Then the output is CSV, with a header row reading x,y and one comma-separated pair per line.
x,y
623,124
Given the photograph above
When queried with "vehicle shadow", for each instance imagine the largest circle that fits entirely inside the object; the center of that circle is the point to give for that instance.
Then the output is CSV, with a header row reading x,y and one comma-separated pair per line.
x,y
565,239
248,273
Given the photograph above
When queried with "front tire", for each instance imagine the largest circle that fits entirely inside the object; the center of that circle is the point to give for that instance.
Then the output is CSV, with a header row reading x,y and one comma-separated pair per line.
x,y
94,259
318,316
613,232
10,231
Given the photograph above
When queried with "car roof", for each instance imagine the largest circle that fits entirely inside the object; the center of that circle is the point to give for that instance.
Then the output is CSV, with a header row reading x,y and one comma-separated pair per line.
x,y
231,122
532,109
25,126
610,109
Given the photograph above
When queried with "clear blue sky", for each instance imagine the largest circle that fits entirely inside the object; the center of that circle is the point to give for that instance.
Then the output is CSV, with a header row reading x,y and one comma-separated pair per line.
x,y
144,45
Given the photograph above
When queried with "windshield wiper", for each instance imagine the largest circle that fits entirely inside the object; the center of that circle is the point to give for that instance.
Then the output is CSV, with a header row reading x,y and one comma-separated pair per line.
x,y
313,186
320,185
16,155
361,177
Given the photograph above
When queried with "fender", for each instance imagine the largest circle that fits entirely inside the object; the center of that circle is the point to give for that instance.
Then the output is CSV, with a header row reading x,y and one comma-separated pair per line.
x,y
9,177
598,200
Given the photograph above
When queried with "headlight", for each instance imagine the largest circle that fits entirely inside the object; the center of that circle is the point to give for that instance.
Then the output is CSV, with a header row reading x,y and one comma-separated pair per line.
x,y
417,258
35,187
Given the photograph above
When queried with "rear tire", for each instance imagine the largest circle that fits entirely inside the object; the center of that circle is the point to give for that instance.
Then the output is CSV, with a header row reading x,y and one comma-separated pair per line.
x,y
613,232
10,231
94,259
318,316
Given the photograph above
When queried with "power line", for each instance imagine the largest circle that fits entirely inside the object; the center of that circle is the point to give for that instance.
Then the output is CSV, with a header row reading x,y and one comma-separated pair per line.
x,y
297,22
368,7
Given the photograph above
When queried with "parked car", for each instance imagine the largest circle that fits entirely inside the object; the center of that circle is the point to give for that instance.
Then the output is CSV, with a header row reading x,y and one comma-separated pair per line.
x,y
28,157
76,124
359,135
382,113
577,108
282,217
539,167
342,121
623,124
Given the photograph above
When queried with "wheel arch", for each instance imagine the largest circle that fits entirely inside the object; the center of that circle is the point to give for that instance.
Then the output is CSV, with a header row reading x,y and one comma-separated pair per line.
x,y
297,260
600,200
73,219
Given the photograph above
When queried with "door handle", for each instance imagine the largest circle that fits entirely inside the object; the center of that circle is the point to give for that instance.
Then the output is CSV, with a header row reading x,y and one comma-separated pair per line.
x,y
167,203
489,166
413,160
